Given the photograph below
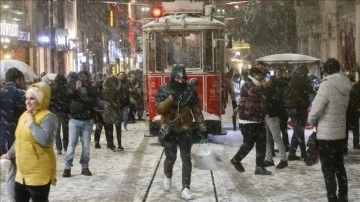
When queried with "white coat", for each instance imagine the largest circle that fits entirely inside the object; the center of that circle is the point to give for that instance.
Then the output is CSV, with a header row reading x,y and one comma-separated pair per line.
x,y
329,107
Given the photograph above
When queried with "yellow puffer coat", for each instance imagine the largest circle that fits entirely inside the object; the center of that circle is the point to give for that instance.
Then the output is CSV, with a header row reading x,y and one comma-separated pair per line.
x,y
36,164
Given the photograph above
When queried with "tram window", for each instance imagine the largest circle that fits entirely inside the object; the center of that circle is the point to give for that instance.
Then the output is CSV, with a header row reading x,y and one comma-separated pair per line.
x,y
178,48
208,63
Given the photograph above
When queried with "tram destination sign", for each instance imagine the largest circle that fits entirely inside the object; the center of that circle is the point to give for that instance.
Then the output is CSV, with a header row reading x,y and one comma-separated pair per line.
x,y
182,6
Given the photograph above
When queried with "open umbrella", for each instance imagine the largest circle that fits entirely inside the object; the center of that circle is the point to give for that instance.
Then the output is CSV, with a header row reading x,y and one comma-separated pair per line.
x,y
49,78
289,58
23,67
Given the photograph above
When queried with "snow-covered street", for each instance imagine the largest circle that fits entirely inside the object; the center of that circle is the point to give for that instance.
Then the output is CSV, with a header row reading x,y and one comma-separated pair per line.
x,y
136,174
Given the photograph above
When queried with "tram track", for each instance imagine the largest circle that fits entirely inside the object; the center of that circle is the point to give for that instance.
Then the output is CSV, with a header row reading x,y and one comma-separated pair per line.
x,y
156,170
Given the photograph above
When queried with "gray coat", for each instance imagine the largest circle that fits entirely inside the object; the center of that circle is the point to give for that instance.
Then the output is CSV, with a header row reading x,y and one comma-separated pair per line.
x,y
329,107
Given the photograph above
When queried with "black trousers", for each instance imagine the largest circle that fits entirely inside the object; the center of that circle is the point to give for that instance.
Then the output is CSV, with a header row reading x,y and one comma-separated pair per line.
x,y
184,141
332,165
23,193
253,133
298,117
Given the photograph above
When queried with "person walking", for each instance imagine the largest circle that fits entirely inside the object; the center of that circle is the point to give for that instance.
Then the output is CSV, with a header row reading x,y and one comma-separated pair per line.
x,y
35,158
12,105
252,110
59,105
297,102
178,102
82,104
328,114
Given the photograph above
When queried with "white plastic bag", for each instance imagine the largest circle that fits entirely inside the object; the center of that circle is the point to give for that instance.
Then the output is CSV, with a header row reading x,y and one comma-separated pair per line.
x,y
204,158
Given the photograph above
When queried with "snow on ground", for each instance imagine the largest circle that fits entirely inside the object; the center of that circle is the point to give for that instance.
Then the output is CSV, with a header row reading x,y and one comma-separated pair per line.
x,y
126,176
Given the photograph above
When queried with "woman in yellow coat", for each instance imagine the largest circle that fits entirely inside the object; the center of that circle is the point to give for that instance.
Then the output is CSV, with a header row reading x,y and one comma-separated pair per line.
x,y
34,139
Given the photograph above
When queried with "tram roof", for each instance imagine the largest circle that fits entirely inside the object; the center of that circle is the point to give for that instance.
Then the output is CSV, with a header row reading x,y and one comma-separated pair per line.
x,y
183,22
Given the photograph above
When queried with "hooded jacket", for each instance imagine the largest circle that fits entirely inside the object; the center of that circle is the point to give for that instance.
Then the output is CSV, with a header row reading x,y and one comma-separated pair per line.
x,y
113,93
180,112
329,107
35,158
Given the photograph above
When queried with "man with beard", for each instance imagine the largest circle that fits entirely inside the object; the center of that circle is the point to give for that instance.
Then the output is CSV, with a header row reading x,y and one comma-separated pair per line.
x,y
177,102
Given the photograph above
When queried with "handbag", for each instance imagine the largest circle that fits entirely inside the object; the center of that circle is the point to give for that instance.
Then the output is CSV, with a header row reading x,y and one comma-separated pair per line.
x,y
312,151
204,158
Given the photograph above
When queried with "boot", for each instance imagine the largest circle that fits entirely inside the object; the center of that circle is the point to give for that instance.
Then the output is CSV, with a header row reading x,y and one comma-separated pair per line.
x,y
97,145
109,136
234,123
118,137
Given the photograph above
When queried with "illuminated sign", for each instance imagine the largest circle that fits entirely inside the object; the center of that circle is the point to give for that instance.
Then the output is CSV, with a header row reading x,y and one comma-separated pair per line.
x,y
111,22
24,36
61,38
9,29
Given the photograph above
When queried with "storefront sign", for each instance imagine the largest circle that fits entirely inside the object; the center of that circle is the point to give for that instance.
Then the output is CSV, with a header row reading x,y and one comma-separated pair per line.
x,y
61,38
9,29
24,36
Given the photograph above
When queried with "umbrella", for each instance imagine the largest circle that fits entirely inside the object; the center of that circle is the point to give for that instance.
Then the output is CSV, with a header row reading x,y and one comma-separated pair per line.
x,y
24,68
49,78
289,58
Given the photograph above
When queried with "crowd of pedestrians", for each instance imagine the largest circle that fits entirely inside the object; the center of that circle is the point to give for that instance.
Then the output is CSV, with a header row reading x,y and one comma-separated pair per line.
x,y
60,113
265,108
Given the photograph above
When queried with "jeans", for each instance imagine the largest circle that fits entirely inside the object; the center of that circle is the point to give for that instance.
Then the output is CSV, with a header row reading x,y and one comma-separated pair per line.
x,y
332,165
298,117
63,119
79,129
185,142
253,133
273,130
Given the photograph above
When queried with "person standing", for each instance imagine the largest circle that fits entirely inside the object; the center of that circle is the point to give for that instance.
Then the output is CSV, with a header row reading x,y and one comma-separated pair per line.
x,y
178,102
297,102
113,93
328,114
59,105
125,100
99,121
12,105
82,104
35,158
280,82
352,115
272,122
235,86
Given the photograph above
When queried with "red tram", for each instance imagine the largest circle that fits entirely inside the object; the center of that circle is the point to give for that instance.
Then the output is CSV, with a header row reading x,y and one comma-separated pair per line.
x,y
186,33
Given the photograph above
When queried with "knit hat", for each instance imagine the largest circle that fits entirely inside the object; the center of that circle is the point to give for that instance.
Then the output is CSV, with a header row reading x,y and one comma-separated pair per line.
x,y
35,91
